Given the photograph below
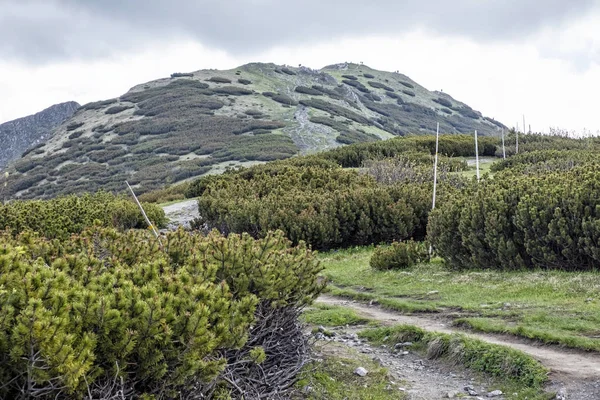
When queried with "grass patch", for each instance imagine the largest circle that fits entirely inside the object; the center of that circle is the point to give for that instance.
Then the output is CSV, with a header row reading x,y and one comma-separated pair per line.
x,y
327,315
333,378
497,361
550,306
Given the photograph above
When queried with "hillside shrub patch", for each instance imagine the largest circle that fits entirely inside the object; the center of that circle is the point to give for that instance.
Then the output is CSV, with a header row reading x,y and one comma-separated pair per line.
x,y
219,79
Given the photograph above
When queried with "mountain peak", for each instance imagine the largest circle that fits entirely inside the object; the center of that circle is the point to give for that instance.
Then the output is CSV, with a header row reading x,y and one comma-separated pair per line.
x,y
192,123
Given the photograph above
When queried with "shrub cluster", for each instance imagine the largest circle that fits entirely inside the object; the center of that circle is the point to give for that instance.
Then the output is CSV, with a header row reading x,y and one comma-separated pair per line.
x,y
356,84
380,85
113,315
63,216
449,145
353,136
327,206
399,255
546,220
117,109
307,90
219,79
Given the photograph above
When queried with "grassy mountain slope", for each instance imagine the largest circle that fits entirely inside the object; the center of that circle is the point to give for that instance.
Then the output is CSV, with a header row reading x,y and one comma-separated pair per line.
x,y
172,129
21,134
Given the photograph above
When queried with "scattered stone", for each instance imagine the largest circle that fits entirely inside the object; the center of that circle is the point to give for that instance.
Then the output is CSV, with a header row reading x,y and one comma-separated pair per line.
x,y
495,393
378,361
404,353
401,345
433,292
469,387
452,394
561,395
472,392
360,371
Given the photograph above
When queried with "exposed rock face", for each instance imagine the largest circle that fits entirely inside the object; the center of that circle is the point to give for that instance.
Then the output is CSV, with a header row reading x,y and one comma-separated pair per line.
x,y
21,134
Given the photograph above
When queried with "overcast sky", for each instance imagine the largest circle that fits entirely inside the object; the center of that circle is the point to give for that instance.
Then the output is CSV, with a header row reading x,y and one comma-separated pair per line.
x,y
503,57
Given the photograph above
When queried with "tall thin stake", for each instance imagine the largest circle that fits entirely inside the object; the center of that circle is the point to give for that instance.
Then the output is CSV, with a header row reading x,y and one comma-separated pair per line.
x,y
503,148
477,156
435,163
150,224
437,141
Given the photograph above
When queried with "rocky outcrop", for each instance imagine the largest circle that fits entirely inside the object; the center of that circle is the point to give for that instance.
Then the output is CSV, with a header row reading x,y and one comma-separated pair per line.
x,y
21,134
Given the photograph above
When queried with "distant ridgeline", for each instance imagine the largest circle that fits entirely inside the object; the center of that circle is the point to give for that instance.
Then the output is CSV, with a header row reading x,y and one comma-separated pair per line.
x,y
21,134
190,124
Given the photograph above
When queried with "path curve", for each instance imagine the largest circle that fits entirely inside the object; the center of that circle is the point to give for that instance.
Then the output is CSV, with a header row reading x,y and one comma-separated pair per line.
x,y
564,364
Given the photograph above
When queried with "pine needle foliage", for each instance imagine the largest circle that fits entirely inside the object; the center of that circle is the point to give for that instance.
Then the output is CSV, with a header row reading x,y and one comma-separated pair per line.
x,y
107,313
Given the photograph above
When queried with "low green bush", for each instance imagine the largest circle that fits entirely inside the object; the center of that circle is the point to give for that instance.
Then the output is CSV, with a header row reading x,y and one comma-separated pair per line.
x,y
106,314
99,104
408,85
117,109
409,93
399,255
369,76
73,126
244,81
443,102
334,109
307,90
219,79
288,71
350,77
182,75
75,135
357,85
545,219
379,85
63,216
284,99
232,90
353,136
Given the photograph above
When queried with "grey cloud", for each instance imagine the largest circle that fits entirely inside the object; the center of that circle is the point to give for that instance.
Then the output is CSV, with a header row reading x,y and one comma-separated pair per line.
x,y
41,30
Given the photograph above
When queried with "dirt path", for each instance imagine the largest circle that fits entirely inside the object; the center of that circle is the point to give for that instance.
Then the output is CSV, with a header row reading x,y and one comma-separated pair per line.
x,y
573,372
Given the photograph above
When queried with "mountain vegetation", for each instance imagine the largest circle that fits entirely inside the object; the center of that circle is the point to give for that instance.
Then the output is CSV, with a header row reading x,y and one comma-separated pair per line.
x,y
191,124
95,305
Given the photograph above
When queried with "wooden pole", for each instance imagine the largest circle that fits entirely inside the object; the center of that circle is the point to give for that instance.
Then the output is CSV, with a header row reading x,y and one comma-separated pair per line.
x,y
150,224
437,141
477,156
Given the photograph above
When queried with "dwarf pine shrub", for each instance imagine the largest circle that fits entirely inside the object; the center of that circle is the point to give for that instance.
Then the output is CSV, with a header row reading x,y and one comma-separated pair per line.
x,y
399,255
107,314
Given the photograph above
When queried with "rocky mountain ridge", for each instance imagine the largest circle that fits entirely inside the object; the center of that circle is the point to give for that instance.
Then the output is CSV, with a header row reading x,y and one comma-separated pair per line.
x,y
19,135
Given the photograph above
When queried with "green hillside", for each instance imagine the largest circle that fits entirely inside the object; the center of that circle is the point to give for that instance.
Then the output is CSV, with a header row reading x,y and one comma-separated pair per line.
x,y
191,124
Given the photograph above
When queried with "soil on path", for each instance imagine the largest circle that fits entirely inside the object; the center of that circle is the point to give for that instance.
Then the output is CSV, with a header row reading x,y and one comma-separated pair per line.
x,y
574,374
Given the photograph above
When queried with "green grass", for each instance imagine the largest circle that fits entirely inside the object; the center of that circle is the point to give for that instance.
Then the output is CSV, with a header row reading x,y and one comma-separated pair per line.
x,y
333,378
518,375
326,315
549,306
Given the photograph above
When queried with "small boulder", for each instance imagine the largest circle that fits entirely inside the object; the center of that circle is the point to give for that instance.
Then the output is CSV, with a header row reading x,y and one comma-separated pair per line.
x,y
360,371
495,393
